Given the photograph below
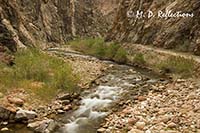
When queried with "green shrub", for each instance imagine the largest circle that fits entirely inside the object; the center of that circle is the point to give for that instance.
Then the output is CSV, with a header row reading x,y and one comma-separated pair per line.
x,y
139,58
120,56
86,45
97,47
111,50
34,66
178,65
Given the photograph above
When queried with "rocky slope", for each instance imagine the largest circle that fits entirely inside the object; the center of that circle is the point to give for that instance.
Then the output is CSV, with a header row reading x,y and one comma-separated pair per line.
x,y
181,33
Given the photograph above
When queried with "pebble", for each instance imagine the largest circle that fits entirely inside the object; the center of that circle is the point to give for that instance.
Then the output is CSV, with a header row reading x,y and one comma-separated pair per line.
x,y
101,130
142,98
1,95
171,125
4,129
67,107
61,112
132,121
65,102
140,125
16,101
136,131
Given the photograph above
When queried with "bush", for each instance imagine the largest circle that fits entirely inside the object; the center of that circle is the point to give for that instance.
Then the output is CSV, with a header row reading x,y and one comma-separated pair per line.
x,y
139,58
178,65
111,50
120,56
97,47
34,66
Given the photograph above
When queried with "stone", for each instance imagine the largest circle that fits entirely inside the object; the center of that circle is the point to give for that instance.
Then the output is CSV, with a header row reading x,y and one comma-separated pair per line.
x,y
180,80
101,130
141,98
44,126
140,125
16,101
5,113
67,107
5,129
136,131
25,115
171,125
164,119
198,124
132,121
5,123
60,111
65,102
1,95
66,96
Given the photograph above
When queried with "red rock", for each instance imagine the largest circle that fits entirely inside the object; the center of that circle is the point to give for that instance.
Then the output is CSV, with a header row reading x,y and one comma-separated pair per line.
x,y
171,125
141,98
16,101
140,125
132,121
67,107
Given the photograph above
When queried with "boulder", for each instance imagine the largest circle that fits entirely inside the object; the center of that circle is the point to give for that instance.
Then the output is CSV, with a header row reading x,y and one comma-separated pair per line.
x,y
25,115
44,126
6,113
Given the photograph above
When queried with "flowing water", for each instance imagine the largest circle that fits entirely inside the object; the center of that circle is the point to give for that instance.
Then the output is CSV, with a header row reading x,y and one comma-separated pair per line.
x,y
98,101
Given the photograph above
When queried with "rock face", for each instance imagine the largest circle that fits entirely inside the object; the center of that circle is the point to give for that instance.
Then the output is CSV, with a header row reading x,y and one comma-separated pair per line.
x,y
176,32
47,21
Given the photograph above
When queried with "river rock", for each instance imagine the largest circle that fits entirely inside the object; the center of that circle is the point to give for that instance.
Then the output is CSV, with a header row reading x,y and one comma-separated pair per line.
x,y
140,125
141,98
136,131
67,107
75,95
132,121
66,96
1,95
44,126
60,111
16,101
5,129
65,102
25,115
101,130
171,125
6,113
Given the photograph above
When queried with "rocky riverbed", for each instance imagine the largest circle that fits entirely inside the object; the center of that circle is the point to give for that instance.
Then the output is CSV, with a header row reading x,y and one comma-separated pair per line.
x,y
120,99
19,108
168,107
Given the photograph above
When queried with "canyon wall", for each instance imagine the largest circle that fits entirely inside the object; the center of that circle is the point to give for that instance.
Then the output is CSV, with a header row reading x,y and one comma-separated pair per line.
x,y
179,33
50,22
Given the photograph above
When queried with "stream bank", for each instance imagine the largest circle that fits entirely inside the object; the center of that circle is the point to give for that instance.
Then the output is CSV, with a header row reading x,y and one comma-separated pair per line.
x,y
128,99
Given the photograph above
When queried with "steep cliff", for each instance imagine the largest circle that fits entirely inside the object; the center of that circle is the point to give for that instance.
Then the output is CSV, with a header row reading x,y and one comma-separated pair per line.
x,y
48,21
164,29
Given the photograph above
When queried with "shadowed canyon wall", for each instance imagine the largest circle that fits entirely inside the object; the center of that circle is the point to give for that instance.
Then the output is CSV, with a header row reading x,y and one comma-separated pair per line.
x,y
180,33
51,21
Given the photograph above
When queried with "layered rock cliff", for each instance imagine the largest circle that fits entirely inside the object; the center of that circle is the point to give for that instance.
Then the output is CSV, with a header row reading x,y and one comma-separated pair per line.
x,y
176,32
48,21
